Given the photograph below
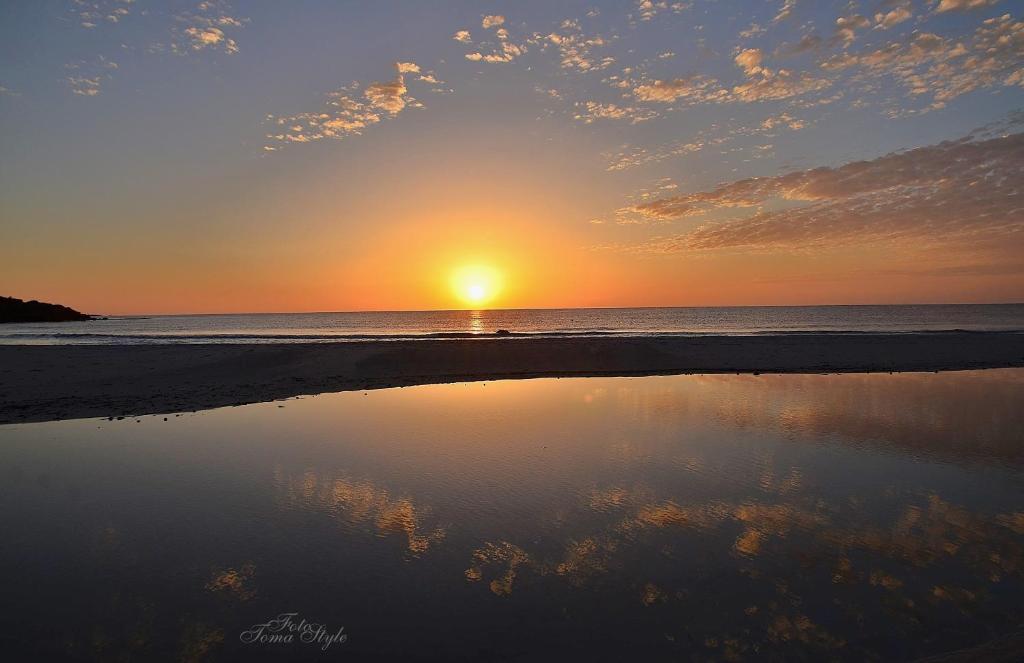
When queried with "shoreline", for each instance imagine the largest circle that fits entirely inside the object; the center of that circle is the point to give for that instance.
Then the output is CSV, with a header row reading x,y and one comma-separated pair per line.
x,y
55,382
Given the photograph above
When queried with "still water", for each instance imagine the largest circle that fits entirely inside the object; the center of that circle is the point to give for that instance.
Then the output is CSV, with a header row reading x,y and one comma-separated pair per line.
x,y
845,517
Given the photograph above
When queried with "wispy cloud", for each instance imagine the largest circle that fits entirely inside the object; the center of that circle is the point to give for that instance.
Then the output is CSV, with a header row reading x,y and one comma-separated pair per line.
x,y
86,77
350,110
589,111
930,65
960,5
92,13
886,20
965,191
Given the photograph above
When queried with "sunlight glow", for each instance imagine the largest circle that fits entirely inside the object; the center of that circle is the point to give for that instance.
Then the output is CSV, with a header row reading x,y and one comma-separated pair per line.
x,y
476,285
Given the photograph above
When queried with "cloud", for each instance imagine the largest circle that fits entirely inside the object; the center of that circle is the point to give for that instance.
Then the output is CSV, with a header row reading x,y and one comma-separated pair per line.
x,y
763,84
589,111
749,60
783,120
633,157
85,78
83,85
966,192
929,65
695,87
389,96
348,111
892,18
492,21
809,42
754,30
785,11
205,37
766,84
502,51
846,29
93,13
960,5
205,29
648,9
575,48
506,53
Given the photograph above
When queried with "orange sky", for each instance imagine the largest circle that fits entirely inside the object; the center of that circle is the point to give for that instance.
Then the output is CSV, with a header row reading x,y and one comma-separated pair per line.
x,y
623,154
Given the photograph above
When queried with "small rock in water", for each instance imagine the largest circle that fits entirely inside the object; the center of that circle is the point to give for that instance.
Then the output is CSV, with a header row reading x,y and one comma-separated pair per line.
x,y
502,332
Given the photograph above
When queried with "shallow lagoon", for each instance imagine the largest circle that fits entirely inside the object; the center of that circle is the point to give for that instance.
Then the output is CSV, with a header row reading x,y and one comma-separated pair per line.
x,y
806,517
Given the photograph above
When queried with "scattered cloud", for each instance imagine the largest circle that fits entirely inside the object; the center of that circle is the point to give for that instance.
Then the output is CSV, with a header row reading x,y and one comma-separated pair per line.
x,y
589,111
807,43
846,29
627,158
754,30
886,20
766,84
86,77
206,28
503,51
696,88
575,48
349,110
959,5
785,11
967,191
492,21
783,120
91,13
648,9
929,65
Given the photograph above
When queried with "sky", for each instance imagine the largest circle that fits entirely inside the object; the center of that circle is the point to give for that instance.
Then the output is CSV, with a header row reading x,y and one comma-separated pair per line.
x,y
176,157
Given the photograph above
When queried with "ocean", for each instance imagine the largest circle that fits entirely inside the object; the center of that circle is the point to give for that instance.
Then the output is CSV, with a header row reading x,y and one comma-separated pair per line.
x,y
355,326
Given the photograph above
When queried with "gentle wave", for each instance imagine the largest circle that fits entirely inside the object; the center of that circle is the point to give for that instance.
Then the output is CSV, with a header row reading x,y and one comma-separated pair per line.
x,y
156,339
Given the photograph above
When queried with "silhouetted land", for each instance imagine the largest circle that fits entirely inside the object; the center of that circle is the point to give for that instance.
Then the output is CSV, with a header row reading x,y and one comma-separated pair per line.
x,y
40,383
13,309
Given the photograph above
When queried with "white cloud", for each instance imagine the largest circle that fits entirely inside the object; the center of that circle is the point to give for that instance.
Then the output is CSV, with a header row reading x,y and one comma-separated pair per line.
x,y
492,21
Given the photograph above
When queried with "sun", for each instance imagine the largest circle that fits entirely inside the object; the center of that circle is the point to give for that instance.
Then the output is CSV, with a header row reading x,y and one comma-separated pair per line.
x,y
476,285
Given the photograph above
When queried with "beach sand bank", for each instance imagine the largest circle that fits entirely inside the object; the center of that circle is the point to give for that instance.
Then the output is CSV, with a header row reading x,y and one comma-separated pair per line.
x,y
45,383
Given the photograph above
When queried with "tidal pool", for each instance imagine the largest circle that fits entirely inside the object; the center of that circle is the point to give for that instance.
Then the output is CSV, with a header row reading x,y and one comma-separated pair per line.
x,y
808,517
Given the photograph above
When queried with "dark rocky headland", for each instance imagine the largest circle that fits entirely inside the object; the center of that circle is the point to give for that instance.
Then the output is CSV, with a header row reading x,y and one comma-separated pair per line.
x,y
13,309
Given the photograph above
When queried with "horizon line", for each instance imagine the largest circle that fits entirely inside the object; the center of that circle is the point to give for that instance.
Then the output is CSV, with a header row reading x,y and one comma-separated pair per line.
x,y
552,308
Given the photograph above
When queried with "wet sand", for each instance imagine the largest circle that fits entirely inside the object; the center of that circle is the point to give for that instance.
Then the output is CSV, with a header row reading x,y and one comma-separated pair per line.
x,y
45,383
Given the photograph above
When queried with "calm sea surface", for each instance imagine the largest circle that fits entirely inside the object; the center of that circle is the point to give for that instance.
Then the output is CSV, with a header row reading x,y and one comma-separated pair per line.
x,y
781,517
305,327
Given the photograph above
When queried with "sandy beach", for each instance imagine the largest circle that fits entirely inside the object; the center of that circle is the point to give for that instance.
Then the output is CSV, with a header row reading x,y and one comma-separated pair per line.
x,y
44,383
